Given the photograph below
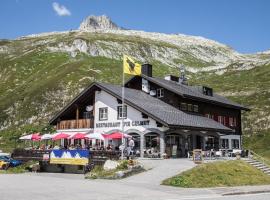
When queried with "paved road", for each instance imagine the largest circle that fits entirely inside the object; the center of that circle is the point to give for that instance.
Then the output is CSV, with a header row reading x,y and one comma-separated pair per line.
x,y
46,186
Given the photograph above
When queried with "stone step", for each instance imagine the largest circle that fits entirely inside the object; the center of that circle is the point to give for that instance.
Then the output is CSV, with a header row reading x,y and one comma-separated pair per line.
x,y
257,165
261,166
254,162
251,161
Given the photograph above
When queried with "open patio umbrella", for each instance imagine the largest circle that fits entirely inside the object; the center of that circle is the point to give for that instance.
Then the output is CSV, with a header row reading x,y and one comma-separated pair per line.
x,y
97,136
46,137
34,137
115,135
26,137
78,136
60,136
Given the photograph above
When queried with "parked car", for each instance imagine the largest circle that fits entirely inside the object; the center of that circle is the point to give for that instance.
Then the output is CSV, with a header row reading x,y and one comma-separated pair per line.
x,y
12,162
3,154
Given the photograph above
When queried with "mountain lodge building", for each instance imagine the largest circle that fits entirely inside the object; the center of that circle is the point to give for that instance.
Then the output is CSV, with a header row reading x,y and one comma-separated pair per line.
x,y
160,114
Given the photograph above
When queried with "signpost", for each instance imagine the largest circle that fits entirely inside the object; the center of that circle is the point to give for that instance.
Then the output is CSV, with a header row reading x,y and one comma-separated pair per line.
x,y
197,156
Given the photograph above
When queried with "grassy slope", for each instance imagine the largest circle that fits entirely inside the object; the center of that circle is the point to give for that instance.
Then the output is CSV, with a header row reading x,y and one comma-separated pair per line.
x,y
218,174
259,143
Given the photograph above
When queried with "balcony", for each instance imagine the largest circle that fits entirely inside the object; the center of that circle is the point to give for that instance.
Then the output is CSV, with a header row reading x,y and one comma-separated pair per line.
x,y
75,124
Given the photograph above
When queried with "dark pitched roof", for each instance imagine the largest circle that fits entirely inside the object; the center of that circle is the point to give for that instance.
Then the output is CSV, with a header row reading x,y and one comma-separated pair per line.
x,y
161,111
193,92
153,107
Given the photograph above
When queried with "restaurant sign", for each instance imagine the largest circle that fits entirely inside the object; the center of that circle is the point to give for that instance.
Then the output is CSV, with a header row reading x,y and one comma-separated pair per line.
x,y
118,124
69,157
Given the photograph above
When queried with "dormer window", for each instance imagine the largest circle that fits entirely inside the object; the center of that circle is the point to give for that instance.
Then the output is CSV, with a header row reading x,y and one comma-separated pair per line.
x,y
190,107
160,93
207,91
195,108
183,106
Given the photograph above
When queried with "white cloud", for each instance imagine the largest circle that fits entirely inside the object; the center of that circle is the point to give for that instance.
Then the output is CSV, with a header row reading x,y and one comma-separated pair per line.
x,y
60,9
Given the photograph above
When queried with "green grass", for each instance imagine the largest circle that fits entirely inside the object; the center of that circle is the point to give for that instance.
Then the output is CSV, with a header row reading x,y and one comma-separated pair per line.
x,y
260,144
219,174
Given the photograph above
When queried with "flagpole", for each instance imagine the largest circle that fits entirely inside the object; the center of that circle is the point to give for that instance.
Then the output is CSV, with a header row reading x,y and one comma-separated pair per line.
x,y
123,95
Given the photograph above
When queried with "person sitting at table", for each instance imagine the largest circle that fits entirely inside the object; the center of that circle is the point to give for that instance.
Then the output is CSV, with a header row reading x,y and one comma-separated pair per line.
x,y
102,148
109,147
56,147
42,147
83,146
71,147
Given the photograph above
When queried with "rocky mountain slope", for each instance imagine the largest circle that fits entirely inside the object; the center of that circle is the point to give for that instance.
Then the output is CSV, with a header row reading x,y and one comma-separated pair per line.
x,y
40,73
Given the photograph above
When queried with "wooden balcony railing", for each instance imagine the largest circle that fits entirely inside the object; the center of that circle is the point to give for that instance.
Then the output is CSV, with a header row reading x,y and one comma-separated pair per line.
x,y
75,124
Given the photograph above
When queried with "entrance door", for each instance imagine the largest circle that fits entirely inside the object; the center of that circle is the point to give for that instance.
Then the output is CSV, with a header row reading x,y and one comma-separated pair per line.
x,y
198,142
175,145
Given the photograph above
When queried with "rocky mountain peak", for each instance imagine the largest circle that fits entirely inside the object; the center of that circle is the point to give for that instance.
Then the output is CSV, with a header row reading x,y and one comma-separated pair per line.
x,y
97,23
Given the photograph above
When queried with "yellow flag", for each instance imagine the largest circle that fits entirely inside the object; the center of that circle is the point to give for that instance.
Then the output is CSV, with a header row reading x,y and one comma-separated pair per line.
x,y
131,67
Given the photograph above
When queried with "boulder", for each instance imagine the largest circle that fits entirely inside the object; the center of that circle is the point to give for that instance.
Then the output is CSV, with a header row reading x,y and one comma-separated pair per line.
x,y
110,165
119,174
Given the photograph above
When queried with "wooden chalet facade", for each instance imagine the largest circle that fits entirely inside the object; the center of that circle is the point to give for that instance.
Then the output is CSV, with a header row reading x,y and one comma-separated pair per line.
x,y
160,114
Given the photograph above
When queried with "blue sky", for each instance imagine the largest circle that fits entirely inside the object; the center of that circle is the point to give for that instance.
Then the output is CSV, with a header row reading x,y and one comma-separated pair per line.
x,y
242,24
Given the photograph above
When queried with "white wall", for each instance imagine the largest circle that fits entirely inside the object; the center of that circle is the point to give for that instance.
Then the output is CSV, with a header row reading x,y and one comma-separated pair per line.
x,y
103,99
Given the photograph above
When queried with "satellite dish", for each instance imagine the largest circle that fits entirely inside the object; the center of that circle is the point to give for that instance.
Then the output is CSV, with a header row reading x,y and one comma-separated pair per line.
x,y
152,92
89,108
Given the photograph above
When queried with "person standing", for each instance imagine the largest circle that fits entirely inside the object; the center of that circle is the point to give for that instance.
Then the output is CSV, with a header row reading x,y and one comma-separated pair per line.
x,y
130,147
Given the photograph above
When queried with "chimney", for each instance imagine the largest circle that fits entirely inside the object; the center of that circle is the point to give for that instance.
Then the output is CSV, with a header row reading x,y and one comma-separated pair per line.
x,y
172,78
147,70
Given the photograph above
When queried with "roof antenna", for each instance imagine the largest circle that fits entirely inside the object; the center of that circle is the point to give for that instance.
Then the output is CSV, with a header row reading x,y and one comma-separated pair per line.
x,y
182,78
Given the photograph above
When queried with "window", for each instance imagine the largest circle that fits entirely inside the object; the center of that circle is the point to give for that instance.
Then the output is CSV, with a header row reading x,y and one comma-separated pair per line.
x,y
103,114
224,143
87,115
195,108
234,122
122,113
230,121
190,107
160,92
183,106
222,120
235,144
